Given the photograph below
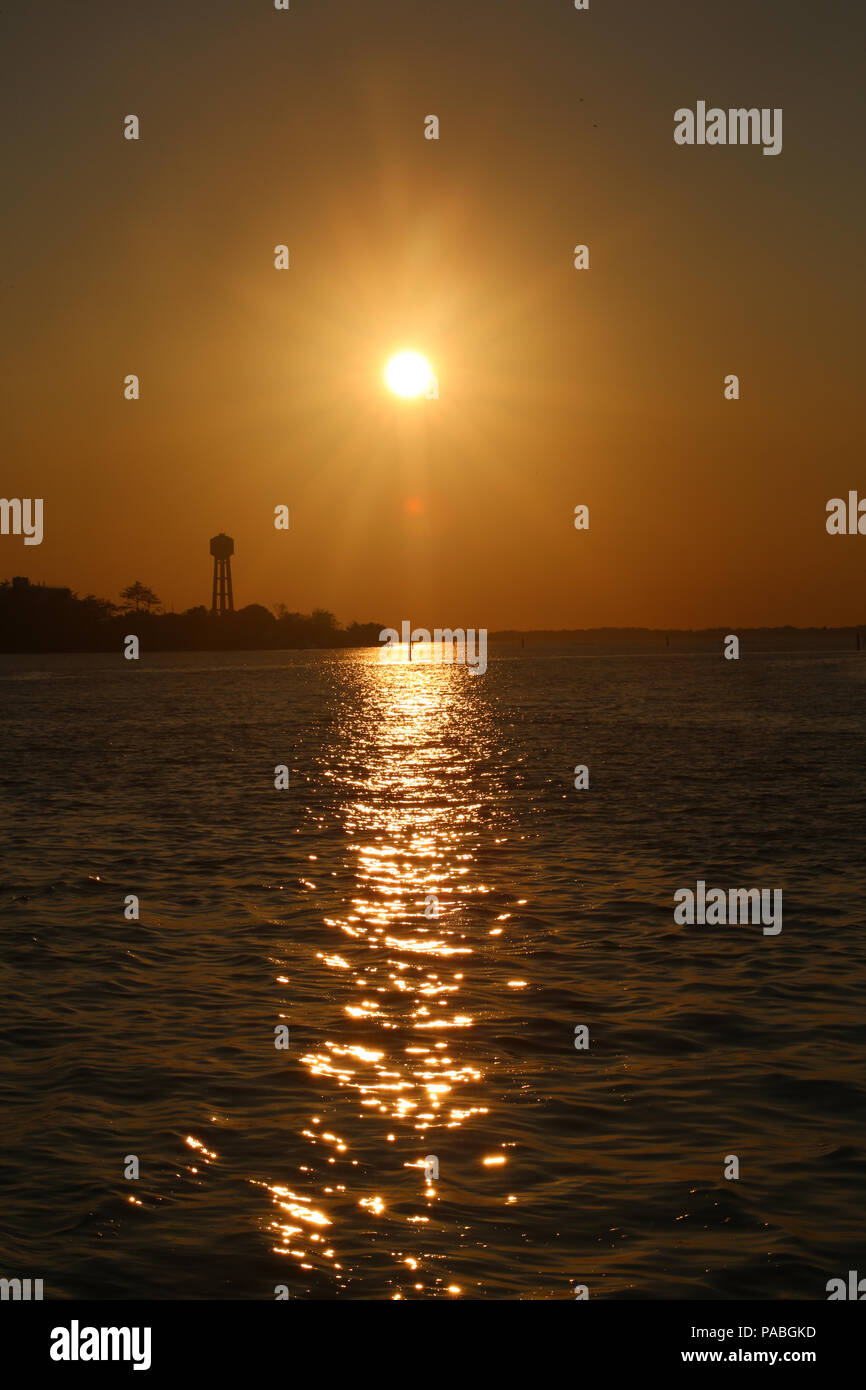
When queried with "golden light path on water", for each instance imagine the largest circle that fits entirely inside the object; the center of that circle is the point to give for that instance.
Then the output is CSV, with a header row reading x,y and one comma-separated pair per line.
x,y
406,767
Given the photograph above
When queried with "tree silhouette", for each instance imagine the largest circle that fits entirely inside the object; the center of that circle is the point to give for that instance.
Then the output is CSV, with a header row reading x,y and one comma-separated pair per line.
x,y
139,596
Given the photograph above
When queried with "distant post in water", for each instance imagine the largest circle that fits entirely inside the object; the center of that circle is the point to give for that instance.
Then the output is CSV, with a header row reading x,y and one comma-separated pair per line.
x,y
222,548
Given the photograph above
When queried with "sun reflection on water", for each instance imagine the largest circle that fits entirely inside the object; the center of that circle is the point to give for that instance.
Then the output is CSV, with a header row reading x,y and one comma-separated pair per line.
x,y
406,774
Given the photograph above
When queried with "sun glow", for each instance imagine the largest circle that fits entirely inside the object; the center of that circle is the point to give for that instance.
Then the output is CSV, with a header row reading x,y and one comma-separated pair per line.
x,y
408,374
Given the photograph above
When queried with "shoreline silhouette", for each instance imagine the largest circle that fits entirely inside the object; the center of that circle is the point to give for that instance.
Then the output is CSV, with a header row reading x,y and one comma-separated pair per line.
x,y
42,618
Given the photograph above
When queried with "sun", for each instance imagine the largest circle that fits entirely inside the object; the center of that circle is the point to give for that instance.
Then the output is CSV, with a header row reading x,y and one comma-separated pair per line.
x,y
408,373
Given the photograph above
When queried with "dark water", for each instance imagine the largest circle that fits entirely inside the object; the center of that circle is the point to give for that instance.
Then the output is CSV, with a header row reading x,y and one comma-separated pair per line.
x,y
411,1035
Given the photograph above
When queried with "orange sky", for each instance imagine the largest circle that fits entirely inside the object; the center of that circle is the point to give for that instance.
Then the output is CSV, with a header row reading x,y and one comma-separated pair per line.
x,y
557,387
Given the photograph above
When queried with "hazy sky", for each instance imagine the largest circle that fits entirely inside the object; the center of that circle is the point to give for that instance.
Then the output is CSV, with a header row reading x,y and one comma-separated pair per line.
x,y
557,387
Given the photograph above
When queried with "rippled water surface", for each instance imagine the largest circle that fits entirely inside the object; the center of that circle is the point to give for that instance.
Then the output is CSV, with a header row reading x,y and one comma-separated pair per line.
x,y
417,789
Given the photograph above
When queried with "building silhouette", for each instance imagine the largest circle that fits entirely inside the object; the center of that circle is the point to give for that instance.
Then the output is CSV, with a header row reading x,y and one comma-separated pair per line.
x,y
222,548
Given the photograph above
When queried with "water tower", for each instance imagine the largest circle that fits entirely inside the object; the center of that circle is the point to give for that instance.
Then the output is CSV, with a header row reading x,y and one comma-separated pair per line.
x,y
222,548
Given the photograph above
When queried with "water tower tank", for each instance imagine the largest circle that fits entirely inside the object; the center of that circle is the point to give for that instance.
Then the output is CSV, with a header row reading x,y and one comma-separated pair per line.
x,y
222,546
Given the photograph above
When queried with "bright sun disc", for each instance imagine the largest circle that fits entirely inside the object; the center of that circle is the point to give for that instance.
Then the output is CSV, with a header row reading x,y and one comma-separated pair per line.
x,y
408,374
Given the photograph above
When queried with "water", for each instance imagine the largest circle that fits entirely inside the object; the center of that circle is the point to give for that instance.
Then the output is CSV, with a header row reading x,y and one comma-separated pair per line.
x,y
414,1035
